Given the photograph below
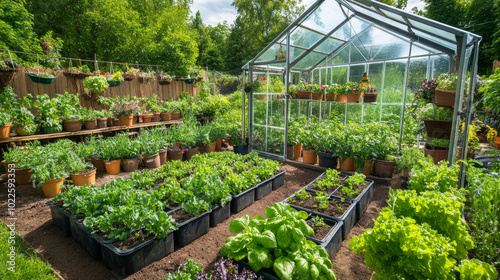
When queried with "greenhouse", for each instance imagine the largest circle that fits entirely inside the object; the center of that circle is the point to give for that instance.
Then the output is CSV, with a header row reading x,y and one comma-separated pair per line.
x,y
336,41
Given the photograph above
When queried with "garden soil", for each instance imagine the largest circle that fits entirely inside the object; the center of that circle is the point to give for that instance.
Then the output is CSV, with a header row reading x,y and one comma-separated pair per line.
x,y
72,262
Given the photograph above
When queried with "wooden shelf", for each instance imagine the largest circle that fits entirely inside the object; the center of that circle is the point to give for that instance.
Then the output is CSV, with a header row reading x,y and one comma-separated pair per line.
x,y
85,132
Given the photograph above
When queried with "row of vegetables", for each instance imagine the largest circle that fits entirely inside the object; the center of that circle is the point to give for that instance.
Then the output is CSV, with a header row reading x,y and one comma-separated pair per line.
x,y
424,229
173,204
30,113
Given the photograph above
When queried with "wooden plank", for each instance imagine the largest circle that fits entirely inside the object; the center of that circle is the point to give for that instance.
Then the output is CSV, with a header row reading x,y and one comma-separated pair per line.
x,y
86,132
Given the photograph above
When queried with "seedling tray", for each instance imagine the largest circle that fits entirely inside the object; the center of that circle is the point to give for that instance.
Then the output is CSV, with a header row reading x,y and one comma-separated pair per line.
x,y
333,240
363,199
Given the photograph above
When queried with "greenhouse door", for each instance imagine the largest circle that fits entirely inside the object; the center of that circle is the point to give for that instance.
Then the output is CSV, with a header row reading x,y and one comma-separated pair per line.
x,y
267,119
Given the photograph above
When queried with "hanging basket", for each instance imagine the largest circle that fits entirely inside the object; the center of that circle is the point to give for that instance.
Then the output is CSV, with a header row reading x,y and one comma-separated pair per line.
x,y
74,75
438,129
189,81
164,82
6,76
128,77
41,80
444,98
370,97
113,83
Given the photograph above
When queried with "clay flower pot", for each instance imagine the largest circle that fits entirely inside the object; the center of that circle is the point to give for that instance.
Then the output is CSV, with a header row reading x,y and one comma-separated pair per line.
x,y
84,178
367,171
191,152
175,115
175,155
99,164
310,157
102,122
126,120
165,116
129,165
5,131
112,167
496,141
347,164
91,124
383,168
52,188
156,117
146,118
297,151
72,125
23,176
218,145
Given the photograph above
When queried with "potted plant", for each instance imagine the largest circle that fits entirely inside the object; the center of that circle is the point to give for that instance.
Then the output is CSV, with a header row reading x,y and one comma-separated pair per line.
x,y
77,72
410,158
438,149
130,152
50,175
294,147
116,79
351,93
318,92
82,172
235,135
437,121
7,70
327,150
346,151
89,118
5,124
130,74
304,91
48,114
383,160
445,90
42,78
332,91
163,79
124,110
370,95
96,84
310,143
24,121
111,152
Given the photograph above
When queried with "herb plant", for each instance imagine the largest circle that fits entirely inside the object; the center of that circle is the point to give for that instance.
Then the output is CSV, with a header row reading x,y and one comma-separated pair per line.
x,y
97,84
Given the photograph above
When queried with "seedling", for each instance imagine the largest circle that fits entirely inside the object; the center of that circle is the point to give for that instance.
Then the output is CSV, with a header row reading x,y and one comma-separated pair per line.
x,y
322,199
317,221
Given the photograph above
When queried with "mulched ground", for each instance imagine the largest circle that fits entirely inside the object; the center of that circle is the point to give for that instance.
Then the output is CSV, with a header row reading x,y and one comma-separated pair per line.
x,y
71,261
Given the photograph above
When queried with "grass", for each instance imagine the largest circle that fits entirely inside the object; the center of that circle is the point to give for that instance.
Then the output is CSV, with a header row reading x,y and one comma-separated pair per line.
x,y
27,263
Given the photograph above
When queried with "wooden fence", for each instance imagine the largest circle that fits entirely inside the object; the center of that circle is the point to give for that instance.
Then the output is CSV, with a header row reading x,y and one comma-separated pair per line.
x,y
22,84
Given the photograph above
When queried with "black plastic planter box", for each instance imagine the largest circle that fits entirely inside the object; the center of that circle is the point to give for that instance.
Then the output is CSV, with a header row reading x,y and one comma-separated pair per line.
x,y
191,229
308,187
60,218
242,200
348,217
264,188
126,262
363,199
91,242
333,240
278,180
220,214
266,273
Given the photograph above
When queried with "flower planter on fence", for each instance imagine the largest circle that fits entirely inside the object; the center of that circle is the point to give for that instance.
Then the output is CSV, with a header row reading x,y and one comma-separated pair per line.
x,y
242,200
220,214
60,218
41,80
263,188
126,262
333,239
191,229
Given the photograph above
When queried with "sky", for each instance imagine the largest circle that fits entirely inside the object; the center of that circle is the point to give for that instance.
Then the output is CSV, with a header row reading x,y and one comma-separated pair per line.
x,y
218,11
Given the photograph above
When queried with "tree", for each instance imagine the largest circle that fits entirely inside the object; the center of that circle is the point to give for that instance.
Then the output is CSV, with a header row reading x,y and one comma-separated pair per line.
x,y
258,22
16,28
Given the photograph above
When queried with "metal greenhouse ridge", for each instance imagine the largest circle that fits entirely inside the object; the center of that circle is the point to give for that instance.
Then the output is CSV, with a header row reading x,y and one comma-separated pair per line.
x,y
336,41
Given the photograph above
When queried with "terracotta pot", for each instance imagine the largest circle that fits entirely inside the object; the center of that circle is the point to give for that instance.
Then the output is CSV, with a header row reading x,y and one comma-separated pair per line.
x,y
109,122
126,120
5,131
175,115
156,117
52,188
347,164
303,94
91,124
102,122
146,118
367,171
84,178
496,141
353,98
218,144
310,156
341,97
6,165
23,176
297,151
444,98
175,155
317,96
116,122
112,167
383,168
130,164
152,161
437,155
163,156
99,164
207,149
72,125
330,97
191,152
165,116
213,146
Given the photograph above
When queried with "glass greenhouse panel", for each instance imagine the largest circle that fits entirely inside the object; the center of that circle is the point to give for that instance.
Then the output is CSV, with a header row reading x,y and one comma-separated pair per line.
x,y
259,138
432,30
418,72
310,59
371,113
435,39
376,76
260,112
394,82
329,45
304,38
358,55
354,112
339,74
356,73
342,57
275,141
276,111
440,65
271,53
326,17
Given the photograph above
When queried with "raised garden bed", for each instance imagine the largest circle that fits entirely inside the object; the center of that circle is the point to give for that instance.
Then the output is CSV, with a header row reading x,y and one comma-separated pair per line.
x,y
362,199
190,227
329,238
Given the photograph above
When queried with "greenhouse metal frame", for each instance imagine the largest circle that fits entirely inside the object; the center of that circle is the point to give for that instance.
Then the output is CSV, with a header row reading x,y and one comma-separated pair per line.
x,y
337,41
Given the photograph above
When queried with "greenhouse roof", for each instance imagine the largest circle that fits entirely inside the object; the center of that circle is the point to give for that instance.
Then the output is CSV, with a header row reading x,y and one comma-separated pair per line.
x,y
374,30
